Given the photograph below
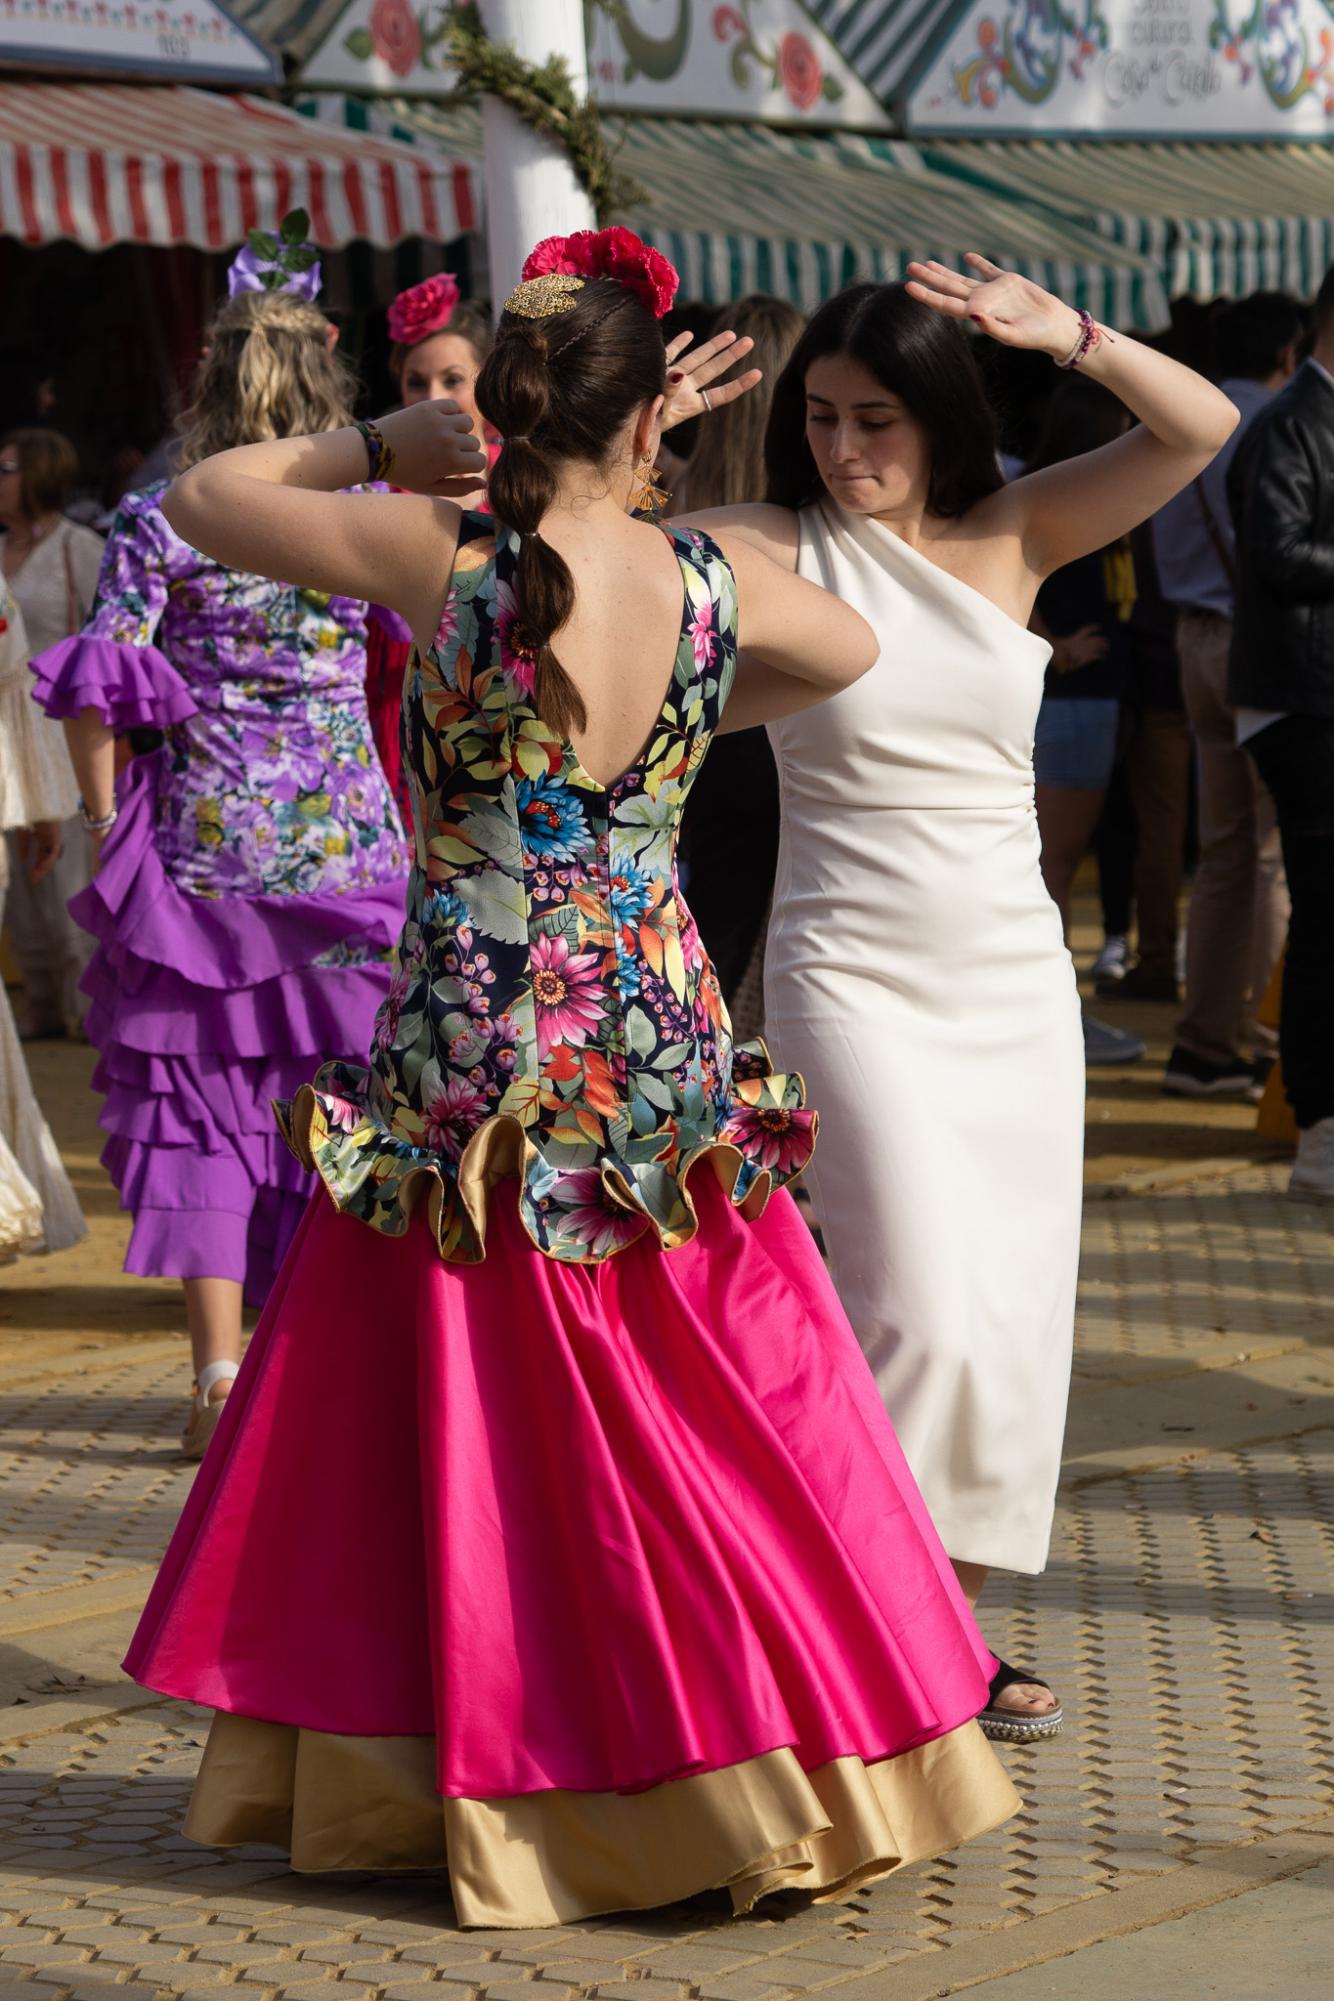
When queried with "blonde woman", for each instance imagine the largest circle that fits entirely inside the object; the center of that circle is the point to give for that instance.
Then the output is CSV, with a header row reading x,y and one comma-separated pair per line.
x,y
251,872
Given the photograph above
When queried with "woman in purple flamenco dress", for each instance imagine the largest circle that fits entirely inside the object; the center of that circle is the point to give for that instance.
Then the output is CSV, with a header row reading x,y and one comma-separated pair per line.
x,y
251,871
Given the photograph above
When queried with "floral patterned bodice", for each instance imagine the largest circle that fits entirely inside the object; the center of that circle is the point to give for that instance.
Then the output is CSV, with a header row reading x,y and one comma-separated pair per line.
x,y
553,1014
272,787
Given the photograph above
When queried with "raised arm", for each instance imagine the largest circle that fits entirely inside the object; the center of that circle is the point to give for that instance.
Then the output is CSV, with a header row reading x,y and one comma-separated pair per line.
x,y
1069,510
771,530
798,643
277,510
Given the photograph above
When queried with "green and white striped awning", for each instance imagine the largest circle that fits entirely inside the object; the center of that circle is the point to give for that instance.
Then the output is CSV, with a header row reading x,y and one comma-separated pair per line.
x,y
1216,221
742,208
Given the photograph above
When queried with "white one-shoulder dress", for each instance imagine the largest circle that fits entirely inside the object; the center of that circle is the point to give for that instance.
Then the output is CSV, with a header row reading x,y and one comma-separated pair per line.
x,y
917,977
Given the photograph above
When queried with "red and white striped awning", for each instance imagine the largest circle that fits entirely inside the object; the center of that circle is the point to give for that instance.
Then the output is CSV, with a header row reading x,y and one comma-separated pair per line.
x,y
105,163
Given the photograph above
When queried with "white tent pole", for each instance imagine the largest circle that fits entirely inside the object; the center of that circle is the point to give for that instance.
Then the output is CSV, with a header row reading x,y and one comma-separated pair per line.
x,y
532,190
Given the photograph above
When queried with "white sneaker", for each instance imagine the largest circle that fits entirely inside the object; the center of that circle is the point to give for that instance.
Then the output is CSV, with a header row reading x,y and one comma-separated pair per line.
x,y
1113,959
1313,1176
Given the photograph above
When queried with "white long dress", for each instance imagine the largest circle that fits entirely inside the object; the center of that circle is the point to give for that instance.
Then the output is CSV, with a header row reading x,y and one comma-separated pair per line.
x,y
38,1208
54,591
916,975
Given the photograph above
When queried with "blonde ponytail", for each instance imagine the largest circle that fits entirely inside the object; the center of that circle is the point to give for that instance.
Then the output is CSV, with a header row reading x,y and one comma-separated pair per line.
x,y
269,371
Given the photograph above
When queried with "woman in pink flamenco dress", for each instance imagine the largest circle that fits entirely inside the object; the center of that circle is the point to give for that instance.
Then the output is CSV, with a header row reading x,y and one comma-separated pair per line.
x,y
554,1533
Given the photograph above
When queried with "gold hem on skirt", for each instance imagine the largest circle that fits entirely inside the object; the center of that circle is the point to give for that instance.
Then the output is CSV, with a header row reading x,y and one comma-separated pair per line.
x,y
549,1858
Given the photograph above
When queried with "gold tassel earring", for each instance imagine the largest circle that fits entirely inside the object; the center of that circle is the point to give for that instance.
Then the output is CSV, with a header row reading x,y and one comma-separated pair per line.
x,y
650,496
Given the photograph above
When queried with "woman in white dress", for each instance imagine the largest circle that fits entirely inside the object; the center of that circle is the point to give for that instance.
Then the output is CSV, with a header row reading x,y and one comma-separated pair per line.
x,y
51,565
38,1209
916,972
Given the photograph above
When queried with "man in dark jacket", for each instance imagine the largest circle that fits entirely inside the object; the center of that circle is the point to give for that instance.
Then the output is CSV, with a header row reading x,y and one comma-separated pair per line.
x,y
1281,683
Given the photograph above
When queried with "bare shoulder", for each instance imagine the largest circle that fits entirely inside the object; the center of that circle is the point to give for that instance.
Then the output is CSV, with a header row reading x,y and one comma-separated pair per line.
x,y
772,530
984,548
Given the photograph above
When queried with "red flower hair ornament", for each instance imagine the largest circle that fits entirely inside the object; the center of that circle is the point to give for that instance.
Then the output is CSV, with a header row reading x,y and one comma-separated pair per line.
x,y
604,253
423,310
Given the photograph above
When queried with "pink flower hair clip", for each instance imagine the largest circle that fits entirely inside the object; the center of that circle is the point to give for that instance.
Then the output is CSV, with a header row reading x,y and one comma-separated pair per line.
x,y
593,253
423,310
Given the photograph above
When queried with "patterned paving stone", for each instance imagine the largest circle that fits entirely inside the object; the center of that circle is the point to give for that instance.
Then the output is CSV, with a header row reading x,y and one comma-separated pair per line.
x,y
1186,1618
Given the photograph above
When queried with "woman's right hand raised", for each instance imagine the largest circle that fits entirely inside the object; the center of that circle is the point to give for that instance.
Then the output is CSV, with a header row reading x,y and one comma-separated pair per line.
x,y
436,450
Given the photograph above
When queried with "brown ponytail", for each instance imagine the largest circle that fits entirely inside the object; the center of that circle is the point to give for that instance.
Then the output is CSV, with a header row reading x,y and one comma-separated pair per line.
x,y
560,391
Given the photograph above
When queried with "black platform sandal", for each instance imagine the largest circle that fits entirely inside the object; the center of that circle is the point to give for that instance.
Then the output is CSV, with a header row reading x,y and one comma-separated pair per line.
x,y
1013,1726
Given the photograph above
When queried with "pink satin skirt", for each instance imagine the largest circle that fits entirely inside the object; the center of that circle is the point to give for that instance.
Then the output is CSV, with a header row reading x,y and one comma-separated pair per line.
x,y
590,1528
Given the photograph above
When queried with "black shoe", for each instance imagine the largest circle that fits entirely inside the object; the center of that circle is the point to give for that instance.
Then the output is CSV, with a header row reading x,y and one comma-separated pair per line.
x,y
1141,983
1188,1076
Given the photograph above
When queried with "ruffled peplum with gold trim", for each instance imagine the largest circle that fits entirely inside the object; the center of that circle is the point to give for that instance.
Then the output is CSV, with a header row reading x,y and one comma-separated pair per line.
x,y
578,1199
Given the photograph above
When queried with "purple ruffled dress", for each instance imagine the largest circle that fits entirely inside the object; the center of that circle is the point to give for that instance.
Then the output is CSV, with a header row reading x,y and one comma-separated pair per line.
x,y
250,894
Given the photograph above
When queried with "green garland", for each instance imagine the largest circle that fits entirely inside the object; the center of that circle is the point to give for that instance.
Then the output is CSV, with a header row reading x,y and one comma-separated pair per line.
x,y
544,97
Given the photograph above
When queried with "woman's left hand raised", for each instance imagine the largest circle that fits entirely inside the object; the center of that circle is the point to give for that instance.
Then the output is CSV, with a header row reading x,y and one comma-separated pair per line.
x,y
693,387
1013,310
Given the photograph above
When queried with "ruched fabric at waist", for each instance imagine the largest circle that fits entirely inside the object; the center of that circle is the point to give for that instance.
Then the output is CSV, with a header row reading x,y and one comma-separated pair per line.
x,y
910,897
840,796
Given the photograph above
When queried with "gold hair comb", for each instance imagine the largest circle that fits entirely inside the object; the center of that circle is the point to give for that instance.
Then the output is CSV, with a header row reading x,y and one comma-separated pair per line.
x,y
540,298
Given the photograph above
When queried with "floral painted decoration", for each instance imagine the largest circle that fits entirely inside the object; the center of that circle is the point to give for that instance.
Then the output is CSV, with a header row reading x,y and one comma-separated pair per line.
x,y
553,1017
423,310
609,253
399,37
792,63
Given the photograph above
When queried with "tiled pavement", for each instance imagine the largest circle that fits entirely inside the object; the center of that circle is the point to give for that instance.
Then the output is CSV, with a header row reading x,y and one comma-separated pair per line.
x,y
1186,1617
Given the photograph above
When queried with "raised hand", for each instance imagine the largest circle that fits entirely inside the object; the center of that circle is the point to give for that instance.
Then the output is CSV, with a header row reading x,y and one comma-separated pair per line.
x,y
435,449
693,385
1013,310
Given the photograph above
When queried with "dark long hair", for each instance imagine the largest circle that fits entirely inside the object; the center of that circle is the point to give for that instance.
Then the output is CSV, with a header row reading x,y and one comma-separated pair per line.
x,y
917,355
560,391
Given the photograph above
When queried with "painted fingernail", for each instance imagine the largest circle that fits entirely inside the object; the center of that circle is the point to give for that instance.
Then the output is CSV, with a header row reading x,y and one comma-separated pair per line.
x,y
676,375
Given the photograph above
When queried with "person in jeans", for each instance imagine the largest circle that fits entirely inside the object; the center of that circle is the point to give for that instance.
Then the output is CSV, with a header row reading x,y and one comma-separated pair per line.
x,y
1157,761
1239,903
1281,683
1085,609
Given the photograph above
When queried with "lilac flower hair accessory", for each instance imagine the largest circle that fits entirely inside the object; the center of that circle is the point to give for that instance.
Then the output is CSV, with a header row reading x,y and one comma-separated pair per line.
x,y
281,263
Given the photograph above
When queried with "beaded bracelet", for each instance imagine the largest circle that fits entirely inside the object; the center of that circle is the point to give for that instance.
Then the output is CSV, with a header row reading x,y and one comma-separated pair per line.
x,y
379,455
1090,336
98,826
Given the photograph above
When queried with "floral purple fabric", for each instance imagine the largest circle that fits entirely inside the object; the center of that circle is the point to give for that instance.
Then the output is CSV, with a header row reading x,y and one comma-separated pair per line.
x,y
272,786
